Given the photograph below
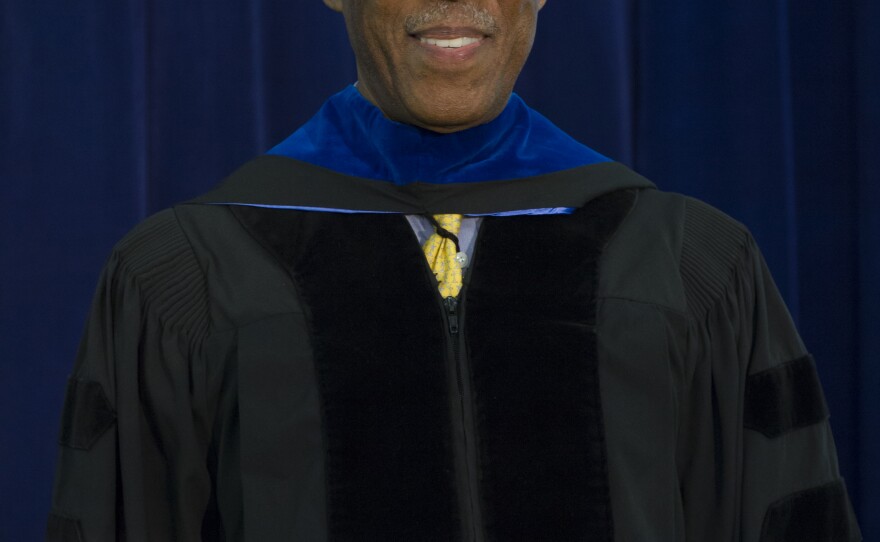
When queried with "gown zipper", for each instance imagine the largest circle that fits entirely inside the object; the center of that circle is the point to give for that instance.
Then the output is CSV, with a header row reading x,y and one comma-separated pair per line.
x,y
471,511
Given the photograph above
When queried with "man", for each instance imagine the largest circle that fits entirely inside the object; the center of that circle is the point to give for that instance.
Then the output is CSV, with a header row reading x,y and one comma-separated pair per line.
x,y
579,357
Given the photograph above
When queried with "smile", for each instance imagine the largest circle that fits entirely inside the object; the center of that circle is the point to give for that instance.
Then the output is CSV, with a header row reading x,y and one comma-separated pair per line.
x,y
455,43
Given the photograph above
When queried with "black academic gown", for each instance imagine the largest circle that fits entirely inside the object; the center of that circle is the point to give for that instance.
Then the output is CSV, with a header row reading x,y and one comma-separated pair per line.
x,y
627,372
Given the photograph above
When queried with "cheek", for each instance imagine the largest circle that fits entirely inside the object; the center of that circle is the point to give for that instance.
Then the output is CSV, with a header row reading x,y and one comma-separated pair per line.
x,y
521,45
521,18
369,50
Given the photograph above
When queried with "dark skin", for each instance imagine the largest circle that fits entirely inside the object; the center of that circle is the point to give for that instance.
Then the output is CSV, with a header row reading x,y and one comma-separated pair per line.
x,y
443,65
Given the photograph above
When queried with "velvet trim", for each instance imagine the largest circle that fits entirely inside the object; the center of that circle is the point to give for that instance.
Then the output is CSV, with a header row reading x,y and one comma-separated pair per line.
x,y
378,342
62,529
530,327
87,414
784,398
352,136
819,514
281,182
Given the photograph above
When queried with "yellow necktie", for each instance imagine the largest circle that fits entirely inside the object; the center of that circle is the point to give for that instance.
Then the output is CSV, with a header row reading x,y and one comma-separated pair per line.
x,y
443,256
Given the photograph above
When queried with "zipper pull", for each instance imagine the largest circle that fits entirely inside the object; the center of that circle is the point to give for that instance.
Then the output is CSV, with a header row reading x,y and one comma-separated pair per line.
x,y
451,314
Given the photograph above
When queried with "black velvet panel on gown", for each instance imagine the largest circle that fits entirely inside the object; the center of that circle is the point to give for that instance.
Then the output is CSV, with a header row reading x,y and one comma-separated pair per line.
x,y
377,333
530,323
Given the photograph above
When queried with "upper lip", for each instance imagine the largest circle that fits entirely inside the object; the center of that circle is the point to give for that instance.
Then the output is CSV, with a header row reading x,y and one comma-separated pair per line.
x,y
449,32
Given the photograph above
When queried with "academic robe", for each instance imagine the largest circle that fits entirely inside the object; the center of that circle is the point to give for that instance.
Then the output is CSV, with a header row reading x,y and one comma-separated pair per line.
x,y
623,372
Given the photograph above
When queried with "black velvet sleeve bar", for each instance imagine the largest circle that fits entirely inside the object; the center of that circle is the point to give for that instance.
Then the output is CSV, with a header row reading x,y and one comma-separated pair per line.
x,y
87,414
818,514
784,398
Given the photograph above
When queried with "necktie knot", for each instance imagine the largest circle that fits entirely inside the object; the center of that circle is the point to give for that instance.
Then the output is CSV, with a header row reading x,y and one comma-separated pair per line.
x,y
450,223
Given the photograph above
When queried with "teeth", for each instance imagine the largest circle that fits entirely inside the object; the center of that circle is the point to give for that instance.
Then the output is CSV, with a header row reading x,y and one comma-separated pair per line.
x,y
450,44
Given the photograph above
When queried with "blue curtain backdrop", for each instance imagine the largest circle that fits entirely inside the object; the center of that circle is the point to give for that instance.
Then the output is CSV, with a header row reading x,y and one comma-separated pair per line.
x,y
110,111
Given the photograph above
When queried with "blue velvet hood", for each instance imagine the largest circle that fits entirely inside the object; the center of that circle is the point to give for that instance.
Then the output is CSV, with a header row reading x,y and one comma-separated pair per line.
x,y
350,158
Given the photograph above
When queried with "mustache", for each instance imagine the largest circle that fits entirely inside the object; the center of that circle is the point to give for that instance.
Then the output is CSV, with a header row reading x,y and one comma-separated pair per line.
x,y
459,13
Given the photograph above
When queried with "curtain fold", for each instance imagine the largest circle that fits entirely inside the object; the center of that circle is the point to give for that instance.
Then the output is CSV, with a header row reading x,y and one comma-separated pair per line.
x,y
866,38
111,111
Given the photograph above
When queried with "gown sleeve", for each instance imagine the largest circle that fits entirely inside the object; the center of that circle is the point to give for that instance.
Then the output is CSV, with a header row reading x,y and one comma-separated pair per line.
x,y
133,439
757,459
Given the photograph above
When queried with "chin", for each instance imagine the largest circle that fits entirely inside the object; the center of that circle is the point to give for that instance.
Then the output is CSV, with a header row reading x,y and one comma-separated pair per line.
x,y
456,114
447,124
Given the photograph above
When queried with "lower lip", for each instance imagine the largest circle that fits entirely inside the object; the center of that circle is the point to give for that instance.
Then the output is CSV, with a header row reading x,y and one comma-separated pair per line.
x,y
449,54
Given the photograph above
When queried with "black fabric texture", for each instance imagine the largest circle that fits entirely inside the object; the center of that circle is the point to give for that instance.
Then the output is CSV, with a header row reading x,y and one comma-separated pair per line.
x,y
820,514
378,346
168,275
712,247
530,323
87,414
61,529
278,180
273,363
784,398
